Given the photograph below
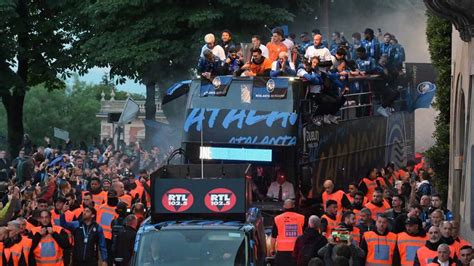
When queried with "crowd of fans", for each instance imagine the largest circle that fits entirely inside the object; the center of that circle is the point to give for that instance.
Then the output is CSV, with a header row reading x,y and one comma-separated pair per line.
x,y
326,68
83,205
391,217
73,205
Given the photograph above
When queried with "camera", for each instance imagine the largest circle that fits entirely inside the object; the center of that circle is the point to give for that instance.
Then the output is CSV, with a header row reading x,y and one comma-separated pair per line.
x,y
340,235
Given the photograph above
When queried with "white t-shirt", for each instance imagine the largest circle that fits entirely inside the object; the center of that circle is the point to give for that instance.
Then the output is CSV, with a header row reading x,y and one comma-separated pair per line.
x,y
217,51
264,50
287,190
323,53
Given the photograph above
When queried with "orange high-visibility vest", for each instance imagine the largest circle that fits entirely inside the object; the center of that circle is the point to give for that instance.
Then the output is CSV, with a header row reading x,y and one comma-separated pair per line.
x,y
351,199
137,191
426,255
127,199
55,218
336,196
371,185
407,247
376,210
147,195
381,182
48,252
99,198
380,249
13,254
332,224
289,226
355,233
1,252
105,215
26,245
459,244
357,215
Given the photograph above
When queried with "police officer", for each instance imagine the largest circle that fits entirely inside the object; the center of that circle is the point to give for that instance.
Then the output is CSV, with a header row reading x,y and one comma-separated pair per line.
x,y
88,239
287,227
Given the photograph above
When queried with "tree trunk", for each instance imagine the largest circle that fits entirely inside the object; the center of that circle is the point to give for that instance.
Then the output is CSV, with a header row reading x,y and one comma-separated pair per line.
x,y
150,110
14,109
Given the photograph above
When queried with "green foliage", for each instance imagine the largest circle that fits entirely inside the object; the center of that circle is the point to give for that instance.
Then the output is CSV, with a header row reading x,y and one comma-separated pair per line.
x,y
438,33
73,109
159,41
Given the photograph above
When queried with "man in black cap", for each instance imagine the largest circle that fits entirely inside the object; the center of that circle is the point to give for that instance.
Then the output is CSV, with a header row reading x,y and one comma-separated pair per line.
x,y
409,241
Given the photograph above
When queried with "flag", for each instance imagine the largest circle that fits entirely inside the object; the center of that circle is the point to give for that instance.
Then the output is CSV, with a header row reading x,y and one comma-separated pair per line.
x,y
217,87
425,93
176,90
269,88
130,111
61,134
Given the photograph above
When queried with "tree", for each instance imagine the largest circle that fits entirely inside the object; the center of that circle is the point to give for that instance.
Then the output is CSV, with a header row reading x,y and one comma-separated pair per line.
x,y
35,47
438,34
155,42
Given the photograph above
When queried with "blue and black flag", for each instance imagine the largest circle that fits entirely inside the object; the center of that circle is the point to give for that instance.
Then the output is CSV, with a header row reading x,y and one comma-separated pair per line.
x,y
217,86
269,88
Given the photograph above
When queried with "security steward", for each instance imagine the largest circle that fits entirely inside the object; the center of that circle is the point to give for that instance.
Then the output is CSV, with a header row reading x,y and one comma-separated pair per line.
x,y
105,214
377,206
329,220
339,196
88,238
425,254
15,247
348,223
409,241
380,244
287,227
49,242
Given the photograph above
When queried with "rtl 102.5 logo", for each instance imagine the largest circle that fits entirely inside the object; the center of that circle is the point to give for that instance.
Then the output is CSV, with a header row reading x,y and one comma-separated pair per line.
x,y
177,200
220,200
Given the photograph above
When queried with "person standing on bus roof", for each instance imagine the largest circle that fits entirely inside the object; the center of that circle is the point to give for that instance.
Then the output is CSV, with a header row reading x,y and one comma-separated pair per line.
x,y
286,228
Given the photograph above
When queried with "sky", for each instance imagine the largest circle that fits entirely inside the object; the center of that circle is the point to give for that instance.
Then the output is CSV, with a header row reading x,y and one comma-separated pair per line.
x,y
95,77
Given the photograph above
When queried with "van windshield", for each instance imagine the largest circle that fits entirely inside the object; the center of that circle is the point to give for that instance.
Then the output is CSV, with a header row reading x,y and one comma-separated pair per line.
x,y
192,247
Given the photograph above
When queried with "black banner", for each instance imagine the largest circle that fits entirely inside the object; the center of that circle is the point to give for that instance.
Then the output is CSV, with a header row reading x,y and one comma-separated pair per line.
x,y
199,196
269,88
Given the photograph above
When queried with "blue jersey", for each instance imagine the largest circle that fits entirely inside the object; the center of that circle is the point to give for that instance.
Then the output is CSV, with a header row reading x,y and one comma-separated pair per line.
x,y
371,48
366,65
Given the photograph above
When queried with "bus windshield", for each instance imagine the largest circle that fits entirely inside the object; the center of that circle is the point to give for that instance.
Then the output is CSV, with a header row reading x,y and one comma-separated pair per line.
x,y
192,247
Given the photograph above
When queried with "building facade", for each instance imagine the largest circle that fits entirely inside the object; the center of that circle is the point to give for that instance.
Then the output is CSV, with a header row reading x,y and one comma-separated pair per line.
x,y
109,114
461,157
